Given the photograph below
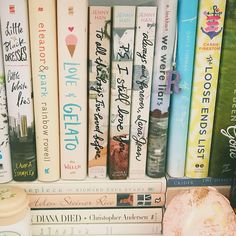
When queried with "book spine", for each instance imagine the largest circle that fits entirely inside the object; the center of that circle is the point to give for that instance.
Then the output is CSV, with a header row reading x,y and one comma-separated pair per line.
x,y
97,229
42,15
207,58
223,148
158,121
97,216
72,21
121,86
79,201
141,89
5,155
147,185
17,64
232,195
180,102
175,182
99,89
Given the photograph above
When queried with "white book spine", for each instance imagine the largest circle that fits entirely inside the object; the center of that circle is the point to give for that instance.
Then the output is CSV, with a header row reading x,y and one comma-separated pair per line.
x,y
97,229
99,89
72,63
5,155
97,216
141,91
146,185
121,87
17,65
42,19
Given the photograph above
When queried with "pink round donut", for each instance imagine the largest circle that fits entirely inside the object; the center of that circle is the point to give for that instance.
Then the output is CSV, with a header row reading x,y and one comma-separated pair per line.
x,y
200,211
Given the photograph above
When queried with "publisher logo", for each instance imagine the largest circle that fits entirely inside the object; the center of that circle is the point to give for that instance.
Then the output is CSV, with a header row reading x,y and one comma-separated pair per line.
x,y
212,28
12,9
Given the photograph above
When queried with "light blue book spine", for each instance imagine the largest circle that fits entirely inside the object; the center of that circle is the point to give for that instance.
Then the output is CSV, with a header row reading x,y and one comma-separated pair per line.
x,y
180,103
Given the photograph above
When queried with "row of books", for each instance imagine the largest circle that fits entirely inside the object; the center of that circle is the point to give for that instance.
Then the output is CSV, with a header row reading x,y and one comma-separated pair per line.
x,y
117,125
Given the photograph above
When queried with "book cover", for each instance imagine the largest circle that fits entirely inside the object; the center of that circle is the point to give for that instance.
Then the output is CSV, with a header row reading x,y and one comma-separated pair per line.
x,y
99,89
97,229
97,216
17,64
102,200
141,89
95,186
206,68
72,23
160,96
42,19
180,102
223,148
121,86
5,155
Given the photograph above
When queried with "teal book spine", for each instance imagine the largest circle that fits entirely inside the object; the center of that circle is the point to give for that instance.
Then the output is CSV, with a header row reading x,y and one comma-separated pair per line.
x,y
223,148
180,102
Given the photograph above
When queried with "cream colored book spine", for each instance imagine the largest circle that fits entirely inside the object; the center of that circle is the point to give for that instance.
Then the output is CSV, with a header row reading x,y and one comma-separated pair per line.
x,y
42,18
99,89
72,21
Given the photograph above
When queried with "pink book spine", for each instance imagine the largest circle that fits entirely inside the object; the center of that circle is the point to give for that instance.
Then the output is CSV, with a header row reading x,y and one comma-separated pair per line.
x,y
72,62
99,85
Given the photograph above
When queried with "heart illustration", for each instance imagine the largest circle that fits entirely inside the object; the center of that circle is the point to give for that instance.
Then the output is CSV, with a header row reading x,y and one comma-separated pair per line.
x,y
70,28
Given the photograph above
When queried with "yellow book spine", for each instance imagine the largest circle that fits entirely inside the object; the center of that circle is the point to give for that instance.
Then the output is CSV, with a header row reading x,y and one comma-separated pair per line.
x,y
207,58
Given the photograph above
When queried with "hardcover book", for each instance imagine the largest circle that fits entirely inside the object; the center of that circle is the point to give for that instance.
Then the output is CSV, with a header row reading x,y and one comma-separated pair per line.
x,y
180,102
207,59
96,216
144,229
141,89
72,21
42,18
121,85
5,155
223,148
17,64
160,96
99,89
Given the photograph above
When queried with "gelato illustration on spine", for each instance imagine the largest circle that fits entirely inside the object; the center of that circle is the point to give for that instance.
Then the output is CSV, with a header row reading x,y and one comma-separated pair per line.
x,y
121,85
99,89
72,63
141,90
17,64
160,98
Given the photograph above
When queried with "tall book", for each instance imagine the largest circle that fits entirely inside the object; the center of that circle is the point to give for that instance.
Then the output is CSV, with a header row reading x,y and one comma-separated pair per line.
x,y
206,68
160,98
99,89
121,86
72,21
17,64
180,102
223,148
141,89
42,15
5,155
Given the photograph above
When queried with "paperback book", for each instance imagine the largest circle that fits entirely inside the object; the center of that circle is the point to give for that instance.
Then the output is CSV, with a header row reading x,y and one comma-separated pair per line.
x,y
42,19
180,102
72,21
223,148
17,64
121,86
99,89
160,96
141,89
5,155
207,60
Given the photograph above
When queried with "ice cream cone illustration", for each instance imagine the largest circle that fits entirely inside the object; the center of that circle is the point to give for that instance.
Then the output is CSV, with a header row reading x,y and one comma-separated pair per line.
x,y
71,41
